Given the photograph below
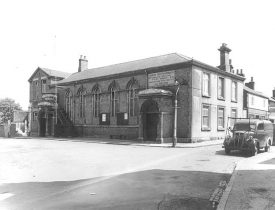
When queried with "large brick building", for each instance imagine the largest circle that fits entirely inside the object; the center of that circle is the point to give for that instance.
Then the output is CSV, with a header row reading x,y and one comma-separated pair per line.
x,y
136,100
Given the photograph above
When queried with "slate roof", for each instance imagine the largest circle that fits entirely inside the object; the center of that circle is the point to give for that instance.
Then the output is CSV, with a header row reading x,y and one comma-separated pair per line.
x,y
20,116
55,73
51,72
255,92
146,63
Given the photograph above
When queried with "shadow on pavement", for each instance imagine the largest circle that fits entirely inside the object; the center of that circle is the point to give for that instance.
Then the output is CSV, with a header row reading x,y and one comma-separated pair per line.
x,y
233,153
150,189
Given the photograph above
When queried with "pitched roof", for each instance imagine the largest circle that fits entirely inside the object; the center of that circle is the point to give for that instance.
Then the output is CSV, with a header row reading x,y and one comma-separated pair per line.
x,y
19,116
146,63
55,73
254,92
51,72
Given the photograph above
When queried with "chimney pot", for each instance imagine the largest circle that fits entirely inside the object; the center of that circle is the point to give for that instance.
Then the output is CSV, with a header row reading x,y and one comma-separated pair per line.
x,y
83,63
251,79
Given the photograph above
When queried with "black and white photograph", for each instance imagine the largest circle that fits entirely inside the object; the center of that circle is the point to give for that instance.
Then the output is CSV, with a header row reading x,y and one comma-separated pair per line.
x,y
137,105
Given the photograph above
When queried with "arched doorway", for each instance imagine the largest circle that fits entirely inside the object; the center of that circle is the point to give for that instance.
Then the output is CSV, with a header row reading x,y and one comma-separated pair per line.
x,y
150,119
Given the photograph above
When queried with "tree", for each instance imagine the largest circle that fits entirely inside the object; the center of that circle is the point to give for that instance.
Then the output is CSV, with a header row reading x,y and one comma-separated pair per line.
x,y
7,108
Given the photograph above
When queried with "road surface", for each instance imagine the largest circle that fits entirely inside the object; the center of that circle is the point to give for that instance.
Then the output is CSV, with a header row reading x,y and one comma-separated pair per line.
x,y
52,174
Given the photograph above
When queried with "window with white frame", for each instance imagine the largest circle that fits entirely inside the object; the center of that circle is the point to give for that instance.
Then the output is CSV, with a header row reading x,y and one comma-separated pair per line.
x,y
221,90
221,120
206,84
234,91
205,117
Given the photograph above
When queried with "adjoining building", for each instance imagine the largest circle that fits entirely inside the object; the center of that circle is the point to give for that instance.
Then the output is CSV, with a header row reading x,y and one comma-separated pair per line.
x,y
271,104
136,100
255,103
43,101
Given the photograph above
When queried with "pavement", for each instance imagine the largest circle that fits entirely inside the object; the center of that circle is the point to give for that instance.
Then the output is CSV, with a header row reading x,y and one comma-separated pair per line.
x,y
131,142
252,184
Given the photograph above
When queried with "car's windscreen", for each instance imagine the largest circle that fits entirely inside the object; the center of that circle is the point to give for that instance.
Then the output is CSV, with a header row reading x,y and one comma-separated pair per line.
x,y
244,127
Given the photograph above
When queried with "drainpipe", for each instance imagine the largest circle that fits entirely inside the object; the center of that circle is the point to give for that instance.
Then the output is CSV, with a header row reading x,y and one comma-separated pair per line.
x,y
176,116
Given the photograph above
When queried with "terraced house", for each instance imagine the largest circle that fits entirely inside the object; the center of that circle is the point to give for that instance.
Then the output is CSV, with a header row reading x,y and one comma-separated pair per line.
x,y
150,99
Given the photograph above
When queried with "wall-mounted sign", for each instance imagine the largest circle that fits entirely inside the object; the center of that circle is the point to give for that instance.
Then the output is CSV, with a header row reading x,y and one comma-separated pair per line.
x,y
49,97
159,79
45,103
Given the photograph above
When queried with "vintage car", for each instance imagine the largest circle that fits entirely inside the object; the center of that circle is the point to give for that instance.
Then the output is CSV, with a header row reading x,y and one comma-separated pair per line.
x,y
249,135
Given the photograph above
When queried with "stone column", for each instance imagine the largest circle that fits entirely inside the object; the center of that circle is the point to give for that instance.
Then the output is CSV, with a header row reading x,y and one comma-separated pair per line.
x,y
160,128
38,121
140,129
47,124
53,123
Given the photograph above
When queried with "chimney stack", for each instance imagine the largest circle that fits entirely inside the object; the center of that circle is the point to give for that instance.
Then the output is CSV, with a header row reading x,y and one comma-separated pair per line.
x,y
251,84
273,93
231,66
83,63
225,64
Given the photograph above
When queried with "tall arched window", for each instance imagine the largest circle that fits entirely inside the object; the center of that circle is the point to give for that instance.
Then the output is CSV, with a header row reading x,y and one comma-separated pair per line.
x,y
114,103
132,101
96,101
81,94
69,104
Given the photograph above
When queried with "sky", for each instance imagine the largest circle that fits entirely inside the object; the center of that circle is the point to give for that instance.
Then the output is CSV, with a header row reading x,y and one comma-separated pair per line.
x,y
53,34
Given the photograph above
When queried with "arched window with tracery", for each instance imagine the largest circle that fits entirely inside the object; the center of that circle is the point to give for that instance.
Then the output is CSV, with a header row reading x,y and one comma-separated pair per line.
x,y
132,100
82,102
95,101
69,104
114,103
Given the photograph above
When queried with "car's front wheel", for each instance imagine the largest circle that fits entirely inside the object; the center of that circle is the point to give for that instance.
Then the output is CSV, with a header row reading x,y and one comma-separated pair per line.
x,y
227,150
254,150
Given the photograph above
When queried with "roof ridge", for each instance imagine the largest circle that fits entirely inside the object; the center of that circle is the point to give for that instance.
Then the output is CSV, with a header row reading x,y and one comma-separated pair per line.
x,y
142,59
183,56
53,69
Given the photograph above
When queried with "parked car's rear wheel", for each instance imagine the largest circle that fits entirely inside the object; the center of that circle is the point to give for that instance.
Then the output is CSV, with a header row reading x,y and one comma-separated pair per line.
x,y
267,146
227,150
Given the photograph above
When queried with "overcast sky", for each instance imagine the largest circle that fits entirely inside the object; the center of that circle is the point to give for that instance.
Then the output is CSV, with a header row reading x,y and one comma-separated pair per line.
x,y
54,34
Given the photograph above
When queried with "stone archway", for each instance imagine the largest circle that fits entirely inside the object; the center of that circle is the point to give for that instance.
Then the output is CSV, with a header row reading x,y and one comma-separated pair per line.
x,y
150,120
155,119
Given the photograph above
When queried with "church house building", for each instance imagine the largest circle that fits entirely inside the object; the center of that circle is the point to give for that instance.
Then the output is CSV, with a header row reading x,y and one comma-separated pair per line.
x,y
139,100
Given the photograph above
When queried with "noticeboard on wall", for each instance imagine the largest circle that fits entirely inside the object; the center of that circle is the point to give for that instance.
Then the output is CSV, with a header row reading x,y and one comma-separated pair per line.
x,y
159,79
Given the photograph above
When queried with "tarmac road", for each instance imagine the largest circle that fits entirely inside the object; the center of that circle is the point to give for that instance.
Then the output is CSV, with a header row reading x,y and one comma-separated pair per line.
x,y
51,174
